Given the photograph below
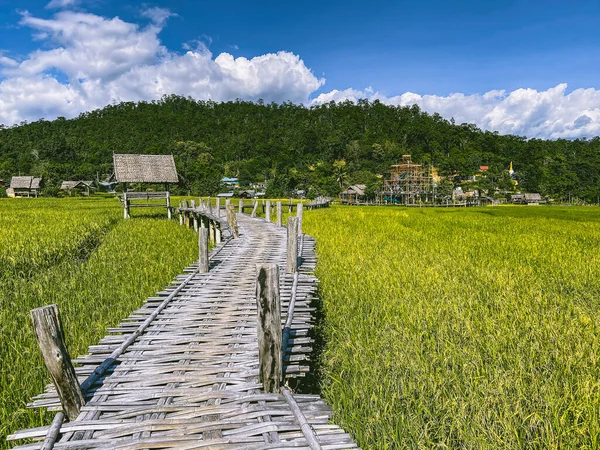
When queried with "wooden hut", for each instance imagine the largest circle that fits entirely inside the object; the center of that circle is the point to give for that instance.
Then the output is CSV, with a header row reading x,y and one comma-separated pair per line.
x,y
153,169
24,187
80,186
353,194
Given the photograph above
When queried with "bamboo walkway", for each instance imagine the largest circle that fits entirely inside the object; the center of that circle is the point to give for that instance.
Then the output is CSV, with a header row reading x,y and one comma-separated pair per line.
x,y
189,378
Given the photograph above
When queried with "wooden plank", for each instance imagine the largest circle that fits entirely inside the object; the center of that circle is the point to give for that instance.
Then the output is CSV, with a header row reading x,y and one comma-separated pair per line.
x,y
269,326
49,334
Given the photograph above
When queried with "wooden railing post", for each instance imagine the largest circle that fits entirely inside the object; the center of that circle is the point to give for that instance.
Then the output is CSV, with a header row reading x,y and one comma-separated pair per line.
x,y
269,326
125,206
203,250
268,211
50,338
292,245
169,206
211,231
299,211
254,208
218,206
180,214
232,222
209,206
279,214
241,205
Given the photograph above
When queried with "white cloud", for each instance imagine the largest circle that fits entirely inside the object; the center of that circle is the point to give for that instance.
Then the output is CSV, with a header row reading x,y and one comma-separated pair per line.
x,y
108,59
62,3
545,114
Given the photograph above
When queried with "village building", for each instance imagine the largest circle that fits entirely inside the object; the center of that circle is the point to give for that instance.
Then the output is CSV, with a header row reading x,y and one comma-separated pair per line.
x,y
527,199
81,187
229,182
24,187
353,194
408,183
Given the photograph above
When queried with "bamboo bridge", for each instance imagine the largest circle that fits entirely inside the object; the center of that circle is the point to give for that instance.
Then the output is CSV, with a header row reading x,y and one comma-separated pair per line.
x,y
206,363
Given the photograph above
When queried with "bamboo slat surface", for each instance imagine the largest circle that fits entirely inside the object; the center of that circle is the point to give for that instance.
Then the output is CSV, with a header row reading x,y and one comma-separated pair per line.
x,y
190,379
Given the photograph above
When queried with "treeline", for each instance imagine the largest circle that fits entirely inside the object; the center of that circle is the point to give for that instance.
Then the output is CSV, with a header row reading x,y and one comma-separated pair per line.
x,y
292,147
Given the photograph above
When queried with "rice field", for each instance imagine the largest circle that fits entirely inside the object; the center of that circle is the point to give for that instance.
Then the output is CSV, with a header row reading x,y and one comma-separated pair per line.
x,y
471,328
81,255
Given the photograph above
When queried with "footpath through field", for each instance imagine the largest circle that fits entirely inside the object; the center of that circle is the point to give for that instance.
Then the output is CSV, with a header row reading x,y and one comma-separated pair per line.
x,y
190,380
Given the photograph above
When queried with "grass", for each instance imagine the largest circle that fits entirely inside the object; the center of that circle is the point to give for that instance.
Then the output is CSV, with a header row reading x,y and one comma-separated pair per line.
x,y
471,328
81,255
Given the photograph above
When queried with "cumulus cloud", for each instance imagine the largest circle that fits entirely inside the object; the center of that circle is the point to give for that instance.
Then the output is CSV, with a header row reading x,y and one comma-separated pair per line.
x,y
62,3
108,59
545,114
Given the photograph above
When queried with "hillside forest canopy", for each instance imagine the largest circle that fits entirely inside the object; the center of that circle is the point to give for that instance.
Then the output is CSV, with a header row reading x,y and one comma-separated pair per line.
x,y
319,149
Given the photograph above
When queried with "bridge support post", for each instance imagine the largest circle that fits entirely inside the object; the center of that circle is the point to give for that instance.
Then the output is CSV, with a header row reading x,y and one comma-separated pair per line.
x,y
254,208
232,222
269,326
241,206
292,245
279,221
203,250
268,211
218,206
51,339
125,206
299,211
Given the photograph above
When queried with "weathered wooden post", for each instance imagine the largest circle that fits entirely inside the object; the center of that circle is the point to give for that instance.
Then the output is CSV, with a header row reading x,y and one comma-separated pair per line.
x,y
217,234
125,206
218,206
211,231
269,326
232,222
51,339
299,212
186,214
203,248
292,245
193,204
168,205
268,211
241,205
209,205
180,214
254,208
279,213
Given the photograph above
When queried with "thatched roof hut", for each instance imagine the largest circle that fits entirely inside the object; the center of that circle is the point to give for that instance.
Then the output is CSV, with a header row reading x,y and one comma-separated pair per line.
x,y
145,169
24,186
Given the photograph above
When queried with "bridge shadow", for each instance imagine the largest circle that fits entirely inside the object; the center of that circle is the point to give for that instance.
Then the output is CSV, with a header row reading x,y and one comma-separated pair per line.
x,y
311,383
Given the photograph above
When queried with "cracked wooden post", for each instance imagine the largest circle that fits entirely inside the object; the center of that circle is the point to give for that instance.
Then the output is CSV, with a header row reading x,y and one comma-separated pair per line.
x,y
51,339
232,222
268,211
203,250
299,211
269,326
279,214
292,245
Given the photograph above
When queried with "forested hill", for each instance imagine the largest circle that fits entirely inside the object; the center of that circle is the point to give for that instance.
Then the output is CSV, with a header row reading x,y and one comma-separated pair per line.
x,y
317,148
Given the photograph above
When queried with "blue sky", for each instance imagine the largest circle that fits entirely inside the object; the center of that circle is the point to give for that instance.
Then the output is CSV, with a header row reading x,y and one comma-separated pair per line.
x,y
539,56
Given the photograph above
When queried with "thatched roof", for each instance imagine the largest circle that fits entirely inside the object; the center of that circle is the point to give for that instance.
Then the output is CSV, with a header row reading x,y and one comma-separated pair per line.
x,y
355,189
145,169
68,185
35,183
22,182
